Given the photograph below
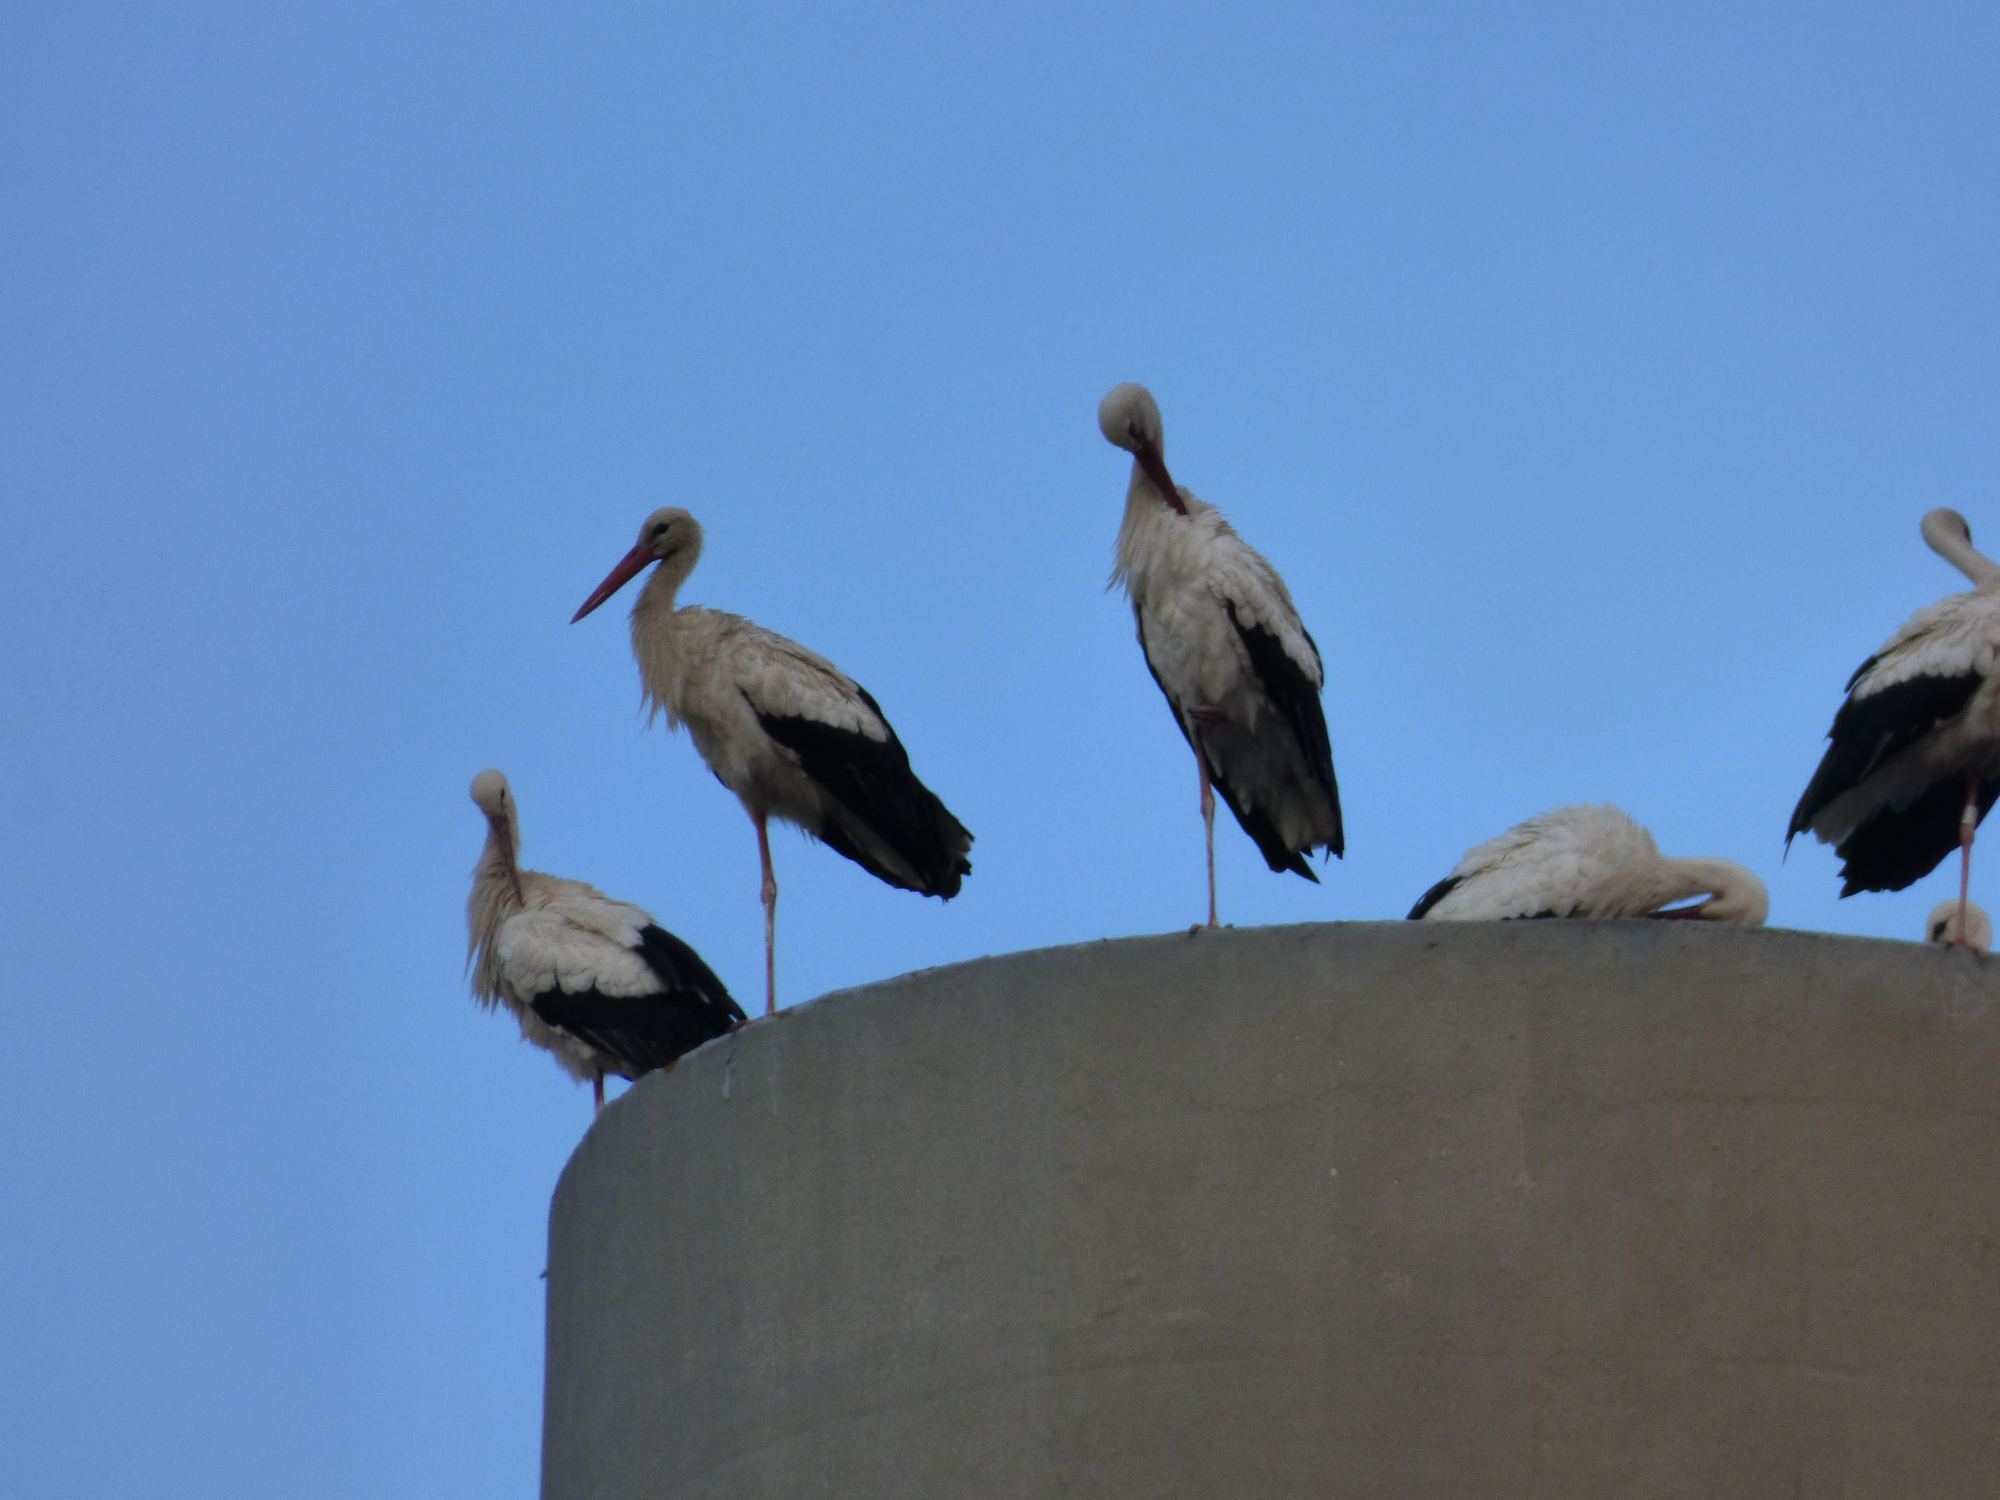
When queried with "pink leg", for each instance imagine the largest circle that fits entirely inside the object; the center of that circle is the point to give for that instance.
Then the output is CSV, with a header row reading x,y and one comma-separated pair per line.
x,y
597,1093
1208,827
770,918
1968,825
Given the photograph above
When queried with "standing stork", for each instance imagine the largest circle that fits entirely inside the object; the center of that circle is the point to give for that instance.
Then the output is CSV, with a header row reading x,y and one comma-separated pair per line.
x,y
1588,861
1913,759
597,983
785,730
1224,642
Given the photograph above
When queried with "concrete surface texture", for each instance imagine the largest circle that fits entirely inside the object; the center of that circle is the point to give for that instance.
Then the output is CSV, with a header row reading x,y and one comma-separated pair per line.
x,y
1535,1209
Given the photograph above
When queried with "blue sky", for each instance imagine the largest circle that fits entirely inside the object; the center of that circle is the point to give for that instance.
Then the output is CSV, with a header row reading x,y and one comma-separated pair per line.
x,y
1585,369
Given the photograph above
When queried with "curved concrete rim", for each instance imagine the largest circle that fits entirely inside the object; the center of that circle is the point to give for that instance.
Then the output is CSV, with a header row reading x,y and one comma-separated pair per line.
x,y
1374,1209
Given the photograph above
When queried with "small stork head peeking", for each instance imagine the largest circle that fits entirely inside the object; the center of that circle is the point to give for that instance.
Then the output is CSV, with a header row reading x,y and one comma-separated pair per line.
x,y
1941,926
596,983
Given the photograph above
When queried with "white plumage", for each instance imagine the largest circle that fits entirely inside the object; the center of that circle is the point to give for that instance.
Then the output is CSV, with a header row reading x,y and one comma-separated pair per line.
x,y
1226,646
595,982
1912,762
1941,926
784,729
1588,861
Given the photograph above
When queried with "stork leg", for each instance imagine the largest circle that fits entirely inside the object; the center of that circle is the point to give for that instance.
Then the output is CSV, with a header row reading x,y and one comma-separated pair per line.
x,y
1208,827
597,1093
1968,825
770,918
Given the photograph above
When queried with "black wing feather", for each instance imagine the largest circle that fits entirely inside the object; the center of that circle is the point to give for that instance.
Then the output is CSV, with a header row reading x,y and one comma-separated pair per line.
x,y
872,779
1263,832
644,1032
1898,847
1434,895
1871,728
1297,698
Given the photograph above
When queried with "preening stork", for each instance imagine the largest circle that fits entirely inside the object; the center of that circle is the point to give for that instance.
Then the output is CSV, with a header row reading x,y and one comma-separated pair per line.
x,y
1913,762
1589,861
596,982
1225,644
785,730
1942,926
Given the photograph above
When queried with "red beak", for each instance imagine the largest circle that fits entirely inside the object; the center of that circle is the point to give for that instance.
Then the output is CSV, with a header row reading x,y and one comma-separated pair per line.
x,y
1156,470
629,567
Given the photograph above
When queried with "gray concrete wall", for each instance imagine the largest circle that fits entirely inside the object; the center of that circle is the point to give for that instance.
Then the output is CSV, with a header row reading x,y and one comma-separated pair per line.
x,y
1538,1209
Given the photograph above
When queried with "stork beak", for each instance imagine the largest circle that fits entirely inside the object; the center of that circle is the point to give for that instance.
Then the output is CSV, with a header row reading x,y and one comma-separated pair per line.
x,y
504,832
628,568
1680,913
1156,470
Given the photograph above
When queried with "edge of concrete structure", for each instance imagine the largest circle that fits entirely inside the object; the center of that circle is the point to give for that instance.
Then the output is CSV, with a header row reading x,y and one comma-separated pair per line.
x,y
1381,1209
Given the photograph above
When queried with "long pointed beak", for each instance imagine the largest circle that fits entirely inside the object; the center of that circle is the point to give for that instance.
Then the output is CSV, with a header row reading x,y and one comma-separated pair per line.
x,y
1679,914
628,568
1156,470
505,834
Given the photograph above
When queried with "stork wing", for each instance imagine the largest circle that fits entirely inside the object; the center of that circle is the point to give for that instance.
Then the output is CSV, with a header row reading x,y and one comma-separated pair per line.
x,y
1296,697
871,778
1925,675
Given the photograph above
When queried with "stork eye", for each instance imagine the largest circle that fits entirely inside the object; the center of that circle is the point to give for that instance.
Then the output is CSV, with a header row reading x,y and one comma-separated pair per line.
x,y
1132,431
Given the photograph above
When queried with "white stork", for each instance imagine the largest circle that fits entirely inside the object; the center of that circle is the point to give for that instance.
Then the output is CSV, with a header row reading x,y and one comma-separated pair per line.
x,y
1588,861
596,982
1914,759
1225,644
784,729
1941,926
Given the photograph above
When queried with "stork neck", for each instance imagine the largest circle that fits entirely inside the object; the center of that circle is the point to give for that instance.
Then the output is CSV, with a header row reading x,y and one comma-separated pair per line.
x,y
1739,894
1969,560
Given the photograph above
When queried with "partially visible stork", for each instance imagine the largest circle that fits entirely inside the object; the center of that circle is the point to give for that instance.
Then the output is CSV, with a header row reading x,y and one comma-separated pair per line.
x,y
1589,861
1942,926
785,730
595,982
1913,762
1225,644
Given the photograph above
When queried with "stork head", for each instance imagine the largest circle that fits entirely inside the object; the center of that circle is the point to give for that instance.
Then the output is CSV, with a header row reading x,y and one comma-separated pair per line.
x,y
1950,537
1946,530
492,796
1739,896
1129,418
1941,926
1734,893
670,535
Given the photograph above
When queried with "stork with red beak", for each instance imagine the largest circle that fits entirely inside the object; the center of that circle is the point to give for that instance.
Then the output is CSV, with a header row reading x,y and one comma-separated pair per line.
x,y
784,729
1225,644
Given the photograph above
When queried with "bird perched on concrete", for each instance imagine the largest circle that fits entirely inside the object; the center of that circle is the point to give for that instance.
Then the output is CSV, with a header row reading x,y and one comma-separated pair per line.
x,y
785,730
1941,926
1913,759
1589,861
595,982
1225,644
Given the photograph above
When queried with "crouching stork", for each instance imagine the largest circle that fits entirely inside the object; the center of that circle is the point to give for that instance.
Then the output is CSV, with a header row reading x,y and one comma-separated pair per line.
x,y
1589,861
596,982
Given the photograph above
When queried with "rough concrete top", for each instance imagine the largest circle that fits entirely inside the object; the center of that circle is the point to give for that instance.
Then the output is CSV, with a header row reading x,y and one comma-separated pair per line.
x,y
1377,1209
